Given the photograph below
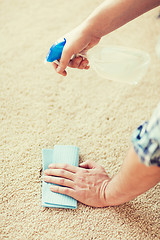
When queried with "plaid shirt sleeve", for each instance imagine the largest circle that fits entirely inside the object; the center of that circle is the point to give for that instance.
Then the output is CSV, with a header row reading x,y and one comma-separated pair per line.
x,y
146,140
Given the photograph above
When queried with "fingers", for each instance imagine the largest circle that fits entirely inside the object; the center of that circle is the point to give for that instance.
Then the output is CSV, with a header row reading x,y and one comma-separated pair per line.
x,y
79,62
89,164
59,173
84,64
59,181
63,190
61,170
55,66
64,166
75,62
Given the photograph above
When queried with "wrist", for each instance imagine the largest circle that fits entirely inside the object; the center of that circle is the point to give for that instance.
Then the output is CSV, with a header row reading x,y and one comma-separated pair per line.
x,y
113,195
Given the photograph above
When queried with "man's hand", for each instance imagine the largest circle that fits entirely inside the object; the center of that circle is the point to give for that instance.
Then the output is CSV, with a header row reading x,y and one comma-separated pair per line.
x,y
86,183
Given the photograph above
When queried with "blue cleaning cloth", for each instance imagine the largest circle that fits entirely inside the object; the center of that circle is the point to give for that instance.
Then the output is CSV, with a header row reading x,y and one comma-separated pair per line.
x,y
60,154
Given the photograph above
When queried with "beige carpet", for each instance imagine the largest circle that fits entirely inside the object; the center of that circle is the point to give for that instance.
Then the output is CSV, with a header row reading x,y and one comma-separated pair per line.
x,y
39,109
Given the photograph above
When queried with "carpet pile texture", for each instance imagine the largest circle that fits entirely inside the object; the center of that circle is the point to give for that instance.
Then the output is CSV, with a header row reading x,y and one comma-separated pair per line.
x,y
39,109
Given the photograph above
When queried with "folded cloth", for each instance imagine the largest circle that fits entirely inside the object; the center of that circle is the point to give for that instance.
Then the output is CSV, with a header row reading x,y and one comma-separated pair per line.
x,y
60,154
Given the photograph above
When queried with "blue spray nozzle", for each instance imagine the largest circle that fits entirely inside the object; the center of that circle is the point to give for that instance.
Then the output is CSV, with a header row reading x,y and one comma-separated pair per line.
x,y
55,51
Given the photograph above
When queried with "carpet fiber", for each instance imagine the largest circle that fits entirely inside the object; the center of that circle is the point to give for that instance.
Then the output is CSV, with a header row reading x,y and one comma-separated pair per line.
x,y
39,109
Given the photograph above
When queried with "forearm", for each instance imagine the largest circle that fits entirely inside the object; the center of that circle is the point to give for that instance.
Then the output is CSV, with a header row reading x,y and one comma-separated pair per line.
x,y
133,179
112,14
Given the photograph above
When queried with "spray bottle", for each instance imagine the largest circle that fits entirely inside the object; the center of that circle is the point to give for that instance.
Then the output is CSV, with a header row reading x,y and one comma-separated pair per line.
x,y
115,63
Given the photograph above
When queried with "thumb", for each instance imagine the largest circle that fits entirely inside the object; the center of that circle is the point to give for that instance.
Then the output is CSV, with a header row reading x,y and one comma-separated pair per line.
x,y
89,164
64,61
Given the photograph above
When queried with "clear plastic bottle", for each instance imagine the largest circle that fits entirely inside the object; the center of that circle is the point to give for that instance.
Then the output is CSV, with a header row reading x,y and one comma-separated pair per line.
x,y
119,63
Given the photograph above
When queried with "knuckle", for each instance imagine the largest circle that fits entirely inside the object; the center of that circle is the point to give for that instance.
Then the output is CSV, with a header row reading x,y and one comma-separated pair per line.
x,y
62,181
62,172
86,61
62,63
78,60
66,191
78,174
57,189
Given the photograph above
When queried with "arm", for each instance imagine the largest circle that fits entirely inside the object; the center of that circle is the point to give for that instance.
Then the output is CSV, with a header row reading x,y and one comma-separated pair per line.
x,y
91,185
110,15
133,179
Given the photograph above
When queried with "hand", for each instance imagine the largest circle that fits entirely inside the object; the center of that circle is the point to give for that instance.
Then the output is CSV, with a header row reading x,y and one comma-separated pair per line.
x,y
86,183
78,41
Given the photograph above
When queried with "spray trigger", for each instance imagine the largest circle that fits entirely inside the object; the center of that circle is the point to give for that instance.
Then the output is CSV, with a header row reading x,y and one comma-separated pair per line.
x,y
55,51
